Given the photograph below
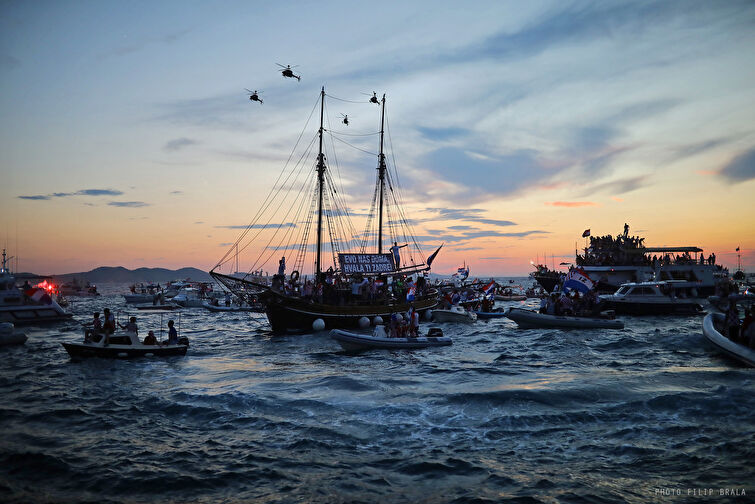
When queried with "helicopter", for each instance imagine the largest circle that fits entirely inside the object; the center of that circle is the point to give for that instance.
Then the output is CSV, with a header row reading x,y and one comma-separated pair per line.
x,y
288,72
374,98
254,95
345,119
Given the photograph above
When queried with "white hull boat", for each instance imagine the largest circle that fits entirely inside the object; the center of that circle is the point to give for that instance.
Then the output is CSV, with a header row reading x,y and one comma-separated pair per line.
x,y
530,319
352,341
735,350
454,314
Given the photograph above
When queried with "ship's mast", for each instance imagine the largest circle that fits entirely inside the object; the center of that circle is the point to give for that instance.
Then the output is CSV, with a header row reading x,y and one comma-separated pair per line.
x,y
381,178
320,183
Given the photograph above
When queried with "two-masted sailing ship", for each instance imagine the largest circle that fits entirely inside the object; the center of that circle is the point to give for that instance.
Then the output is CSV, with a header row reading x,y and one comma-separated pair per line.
x,y
350,275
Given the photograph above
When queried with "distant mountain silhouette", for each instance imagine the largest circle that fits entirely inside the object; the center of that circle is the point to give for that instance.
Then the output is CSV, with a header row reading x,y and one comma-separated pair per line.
x,y
119,274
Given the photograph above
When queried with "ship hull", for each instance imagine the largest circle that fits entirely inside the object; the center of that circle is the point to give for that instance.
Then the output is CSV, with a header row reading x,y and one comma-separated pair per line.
x,y
287,314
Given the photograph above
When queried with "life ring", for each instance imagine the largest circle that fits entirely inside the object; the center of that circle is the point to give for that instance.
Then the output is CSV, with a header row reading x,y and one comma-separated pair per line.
x,y
295,276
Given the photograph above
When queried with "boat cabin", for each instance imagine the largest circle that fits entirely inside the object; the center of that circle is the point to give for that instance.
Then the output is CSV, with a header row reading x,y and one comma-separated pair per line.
x,y
667,288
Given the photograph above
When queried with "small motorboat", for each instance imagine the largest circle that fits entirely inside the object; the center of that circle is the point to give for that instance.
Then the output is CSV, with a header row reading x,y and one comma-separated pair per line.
x,y
454,314
530,319
482,315
9,335
667,297
123,346
712,326
163,307
233,308
141,298
352,341
510,297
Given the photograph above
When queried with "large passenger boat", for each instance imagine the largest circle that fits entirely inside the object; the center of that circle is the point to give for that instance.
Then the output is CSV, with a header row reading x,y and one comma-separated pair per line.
x,y
362,284
611,261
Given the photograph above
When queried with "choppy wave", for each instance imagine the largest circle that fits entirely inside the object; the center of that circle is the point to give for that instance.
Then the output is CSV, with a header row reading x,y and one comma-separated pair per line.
x,y
503,415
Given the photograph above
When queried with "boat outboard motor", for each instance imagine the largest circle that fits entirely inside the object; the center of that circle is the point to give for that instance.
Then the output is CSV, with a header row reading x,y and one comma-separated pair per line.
x,y
183,340
435,332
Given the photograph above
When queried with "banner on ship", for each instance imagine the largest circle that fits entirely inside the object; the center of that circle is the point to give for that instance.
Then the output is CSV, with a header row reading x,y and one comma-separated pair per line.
x,y
366,264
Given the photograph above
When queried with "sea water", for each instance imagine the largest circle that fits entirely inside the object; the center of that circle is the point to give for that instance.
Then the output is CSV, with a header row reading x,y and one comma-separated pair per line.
x,y
648,413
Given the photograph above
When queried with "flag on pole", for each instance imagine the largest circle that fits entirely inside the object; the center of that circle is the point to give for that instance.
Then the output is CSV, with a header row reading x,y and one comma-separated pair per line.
x,y
488,289
578,279
432,257
586,233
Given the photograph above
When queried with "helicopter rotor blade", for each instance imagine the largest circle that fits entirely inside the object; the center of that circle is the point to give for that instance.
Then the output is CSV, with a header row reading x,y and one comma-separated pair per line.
x,y
282,66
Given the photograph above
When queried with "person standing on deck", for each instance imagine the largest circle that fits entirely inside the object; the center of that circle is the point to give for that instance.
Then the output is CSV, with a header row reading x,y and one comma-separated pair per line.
x,y
282,266
395,251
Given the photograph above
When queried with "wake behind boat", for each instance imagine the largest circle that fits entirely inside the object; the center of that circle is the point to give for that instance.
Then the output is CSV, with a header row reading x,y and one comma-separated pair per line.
x,y
352,341
530,319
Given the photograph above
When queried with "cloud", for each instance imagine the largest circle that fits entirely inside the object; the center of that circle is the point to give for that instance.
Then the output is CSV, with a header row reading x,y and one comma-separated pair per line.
x,y
464,249
225,244
82,192
128,204
178,144
8,62
442,134
176,193
618,186
571,204
137,46
259,226
38,197
483,177
741,168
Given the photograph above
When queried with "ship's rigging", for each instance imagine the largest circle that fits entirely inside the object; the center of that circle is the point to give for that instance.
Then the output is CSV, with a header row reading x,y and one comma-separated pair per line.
x,y
301,213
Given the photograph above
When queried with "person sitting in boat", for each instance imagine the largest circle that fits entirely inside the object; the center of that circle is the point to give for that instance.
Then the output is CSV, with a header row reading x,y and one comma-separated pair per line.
x,y
732,322
228,299
94,334
455,297
172,333
552,305
746,329
150,339
395,325
413,322
130,326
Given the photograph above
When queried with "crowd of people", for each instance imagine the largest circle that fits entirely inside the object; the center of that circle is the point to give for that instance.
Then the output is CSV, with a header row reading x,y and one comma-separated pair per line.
x,y
104,327
335,288
572,303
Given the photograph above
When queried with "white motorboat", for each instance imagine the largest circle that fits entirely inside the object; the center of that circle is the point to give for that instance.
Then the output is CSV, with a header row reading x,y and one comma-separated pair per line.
x,y
670,297
189,297
454,314
32,306
712,327
530,319
10,336
352,341
123,346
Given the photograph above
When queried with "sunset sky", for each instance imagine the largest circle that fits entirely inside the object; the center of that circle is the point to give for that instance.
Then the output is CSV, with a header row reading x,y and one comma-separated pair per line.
x,y
127,138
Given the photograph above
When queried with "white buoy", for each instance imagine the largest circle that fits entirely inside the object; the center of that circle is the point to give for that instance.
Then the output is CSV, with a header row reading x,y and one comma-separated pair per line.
x,y
429,315
378,320
364,322
318,324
